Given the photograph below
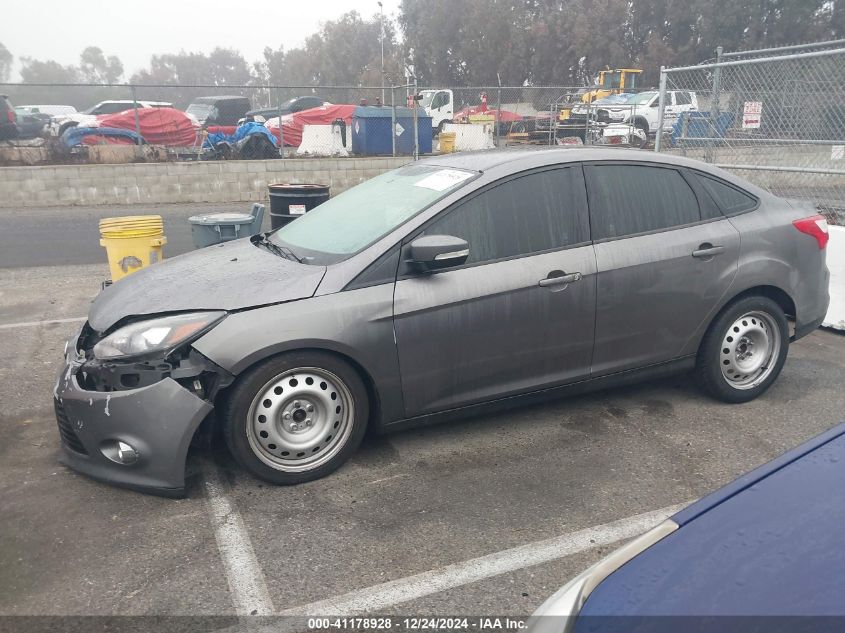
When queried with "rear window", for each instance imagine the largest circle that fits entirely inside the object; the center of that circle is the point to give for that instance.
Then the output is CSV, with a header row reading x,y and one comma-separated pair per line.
x,y
730,199
631,199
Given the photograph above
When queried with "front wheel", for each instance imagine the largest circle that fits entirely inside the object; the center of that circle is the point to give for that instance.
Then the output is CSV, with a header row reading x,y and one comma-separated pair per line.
x,y
296,417
744,350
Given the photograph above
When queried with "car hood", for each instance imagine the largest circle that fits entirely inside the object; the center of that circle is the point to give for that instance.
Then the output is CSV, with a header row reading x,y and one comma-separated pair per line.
x,y
229,276
769,544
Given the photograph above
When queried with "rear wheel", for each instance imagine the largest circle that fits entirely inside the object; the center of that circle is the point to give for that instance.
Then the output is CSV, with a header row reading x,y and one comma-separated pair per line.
x,y
744,350
296,417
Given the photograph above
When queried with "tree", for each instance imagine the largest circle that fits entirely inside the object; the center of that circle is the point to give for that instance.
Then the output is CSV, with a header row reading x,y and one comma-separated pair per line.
x,y
95,67
222,67
6,59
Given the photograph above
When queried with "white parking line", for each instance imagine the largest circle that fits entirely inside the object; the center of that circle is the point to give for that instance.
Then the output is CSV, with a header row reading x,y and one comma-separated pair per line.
x,y
11,326
405,589
243,573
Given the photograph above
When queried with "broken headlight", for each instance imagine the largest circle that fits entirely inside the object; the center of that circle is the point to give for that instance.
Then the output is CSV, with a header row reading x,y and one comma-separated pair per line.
x,y
155,335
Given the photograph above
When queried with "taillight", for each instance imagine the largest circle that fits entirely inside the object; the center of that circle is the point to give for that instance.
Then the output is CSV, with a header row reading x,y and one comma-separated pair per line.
x,y
815,226
10,114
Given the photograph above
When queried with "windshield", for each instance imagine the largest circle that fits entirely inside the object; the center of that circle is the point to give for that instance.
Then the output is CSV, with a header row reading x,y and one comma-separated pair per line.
x,y
199,110
427,96
351,221
643,97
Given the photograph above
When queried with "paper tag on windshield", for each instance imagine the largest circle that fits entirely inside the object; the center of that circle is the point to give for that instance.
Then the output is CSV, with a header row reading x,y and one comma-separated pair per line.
x,y
443,179
296,209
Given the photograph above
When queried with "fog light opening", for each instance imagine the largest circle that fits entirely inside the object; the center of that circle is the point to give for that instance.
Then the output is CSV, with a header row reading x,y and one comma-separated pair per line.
x,y
120,452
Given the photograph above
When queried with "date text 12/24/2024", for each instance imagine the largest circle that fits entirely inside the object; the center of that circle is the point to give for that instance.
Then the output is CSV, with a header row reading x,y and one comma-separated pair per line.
x,y
421,623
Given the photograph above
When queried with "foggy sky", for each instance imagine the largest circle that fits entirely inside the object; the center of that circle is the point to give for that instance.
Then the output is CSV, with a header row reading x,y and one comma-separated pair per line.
x,y
134,30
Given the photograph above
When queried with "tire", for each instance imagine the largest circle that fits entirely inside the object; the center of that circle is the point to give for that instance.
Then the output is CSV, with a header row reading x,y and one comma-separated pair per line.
x,y
744,350
641,124
296,417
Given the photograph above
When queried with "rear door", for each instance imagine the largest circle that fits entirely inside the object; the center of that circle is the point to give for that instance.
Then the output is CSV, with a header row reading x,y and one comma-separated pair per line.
x,y
663,262
518,316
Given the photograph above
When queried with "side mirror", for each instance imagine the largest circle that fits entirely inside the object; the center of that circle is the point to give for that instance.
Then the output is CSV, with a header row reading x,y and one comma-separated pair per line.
x,y
433,252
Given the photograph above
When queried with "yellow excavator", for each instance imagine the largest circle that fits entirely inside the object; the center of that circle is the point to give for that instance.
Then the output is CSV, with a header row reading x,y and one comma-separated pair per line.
x,y
611,82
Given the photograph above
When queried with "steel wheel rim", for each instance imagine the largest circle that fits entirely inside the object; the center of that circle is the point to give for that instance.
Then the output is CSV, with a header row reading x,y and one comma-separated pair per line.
x,y
749,350
300,419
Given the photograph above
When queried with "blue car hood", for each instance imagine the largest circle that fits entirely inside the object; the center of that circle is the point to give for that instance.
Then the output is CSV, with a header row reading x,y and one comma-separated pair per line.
x,y
762,546
230,276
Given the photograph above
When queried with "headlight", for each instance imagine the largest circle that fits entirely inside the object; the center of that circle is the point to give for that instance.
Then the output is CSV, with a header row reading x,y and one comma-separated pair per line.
x,y
558,613
155,335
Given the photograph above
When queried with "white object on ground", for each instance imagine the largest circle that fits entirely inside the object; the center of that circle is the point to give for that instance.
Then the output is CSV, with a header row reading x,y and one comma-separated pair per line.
x,y
836,264
322,140
471,136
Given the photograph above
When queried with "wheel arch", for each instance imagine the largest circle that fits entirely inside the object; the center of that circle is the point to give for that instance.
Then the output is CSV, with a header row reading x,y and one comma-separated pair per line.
x,y
325,347
775,293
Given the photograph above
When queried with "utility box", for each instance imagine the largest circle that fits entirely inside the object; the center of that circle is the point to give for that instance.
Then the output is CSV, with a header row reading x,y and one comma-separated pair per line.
x,y
373,130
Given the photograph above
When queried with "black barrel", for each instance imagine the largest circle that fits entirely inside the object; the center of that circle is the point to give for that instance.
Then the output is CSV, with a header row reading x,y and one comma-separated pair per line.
x,y
288,202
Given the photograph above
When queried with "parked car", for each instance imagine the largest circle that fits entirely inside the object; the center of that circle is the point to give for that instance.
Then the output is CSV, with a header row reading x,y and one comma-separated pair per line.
x,y
296,104
52,110
219,111
113,107
31,123
766,552
458,283
8,119
63,122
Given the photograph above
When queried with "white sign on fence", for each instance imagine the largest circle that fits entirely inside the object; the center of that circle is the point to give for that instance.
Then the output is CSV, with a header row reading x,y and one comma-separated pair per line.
x,y
751,114
837,152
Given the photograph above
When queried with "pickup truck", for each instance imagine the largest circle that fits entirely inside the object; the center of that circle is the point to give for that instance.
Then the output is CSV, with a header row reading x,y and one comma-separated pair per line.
x,y
640,108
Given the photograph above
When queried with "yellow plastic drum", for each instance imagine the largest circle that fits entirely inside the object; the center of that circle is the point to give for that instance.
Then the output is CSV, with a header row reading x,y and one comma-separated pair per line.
x,y
447,142
132,242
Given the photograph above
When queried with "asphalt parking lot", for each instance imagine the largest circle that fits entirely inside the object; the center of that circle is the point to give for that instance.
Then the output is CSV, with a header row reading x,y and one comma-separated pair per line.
x,y
485,516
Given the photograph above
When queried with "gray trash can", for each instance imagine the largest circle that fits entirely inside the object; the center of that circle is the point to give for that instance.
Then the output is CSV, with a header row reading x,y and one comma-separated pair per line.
x,y
214,228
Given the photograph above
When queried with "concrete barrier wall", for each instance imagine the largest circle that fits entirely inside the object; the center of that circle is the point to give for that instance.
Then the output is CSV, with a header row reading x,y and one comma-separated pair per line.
x,y
163,183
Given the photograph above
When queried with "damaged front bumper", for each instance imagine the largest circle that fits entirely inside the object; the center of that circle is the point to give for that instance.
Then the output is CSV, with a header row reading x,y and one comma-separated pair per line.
x,y
135,437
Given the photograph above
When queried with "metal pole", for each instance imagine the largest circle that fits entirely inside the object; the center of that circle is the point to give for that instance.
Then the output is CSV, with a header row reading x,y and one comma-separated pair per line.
x,y
587,140
393,119
498,107
281,127
714,105
137,119
381,23
661,102
416,130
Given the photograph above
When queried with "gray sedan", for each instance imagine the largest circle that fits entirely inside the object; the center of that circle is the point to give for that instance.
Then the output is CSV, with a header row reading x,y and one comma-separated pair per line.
x,y
452,285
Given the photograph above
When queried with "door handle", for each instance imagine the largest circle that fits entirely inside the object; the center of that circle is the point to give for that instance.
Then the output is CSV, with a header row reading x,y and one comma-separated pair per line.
x,y
560,278
708,251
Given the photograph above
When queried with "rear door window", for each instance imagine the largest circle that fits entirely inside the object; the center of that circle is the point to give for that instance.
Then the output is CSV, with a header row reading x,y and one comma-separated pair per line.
x,y
533,213
730,199
682,98
630,199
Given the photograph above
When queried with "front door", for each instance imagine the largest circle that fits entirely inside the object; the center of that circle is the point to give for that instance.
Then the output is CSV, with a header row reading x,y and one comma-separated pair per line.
x,y
664,261
518,315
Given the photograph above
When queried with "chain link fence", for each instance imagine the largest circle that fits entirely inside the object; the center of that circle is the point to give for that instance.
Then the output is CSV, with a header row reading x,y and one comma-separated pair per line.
x,y
177,122
776,120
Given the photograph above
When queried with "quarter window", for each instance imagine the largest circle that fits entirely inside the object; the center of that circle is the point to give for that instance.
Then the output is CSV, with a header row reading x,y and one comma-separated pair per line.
x,y
533,213
630,199
682,98
731,200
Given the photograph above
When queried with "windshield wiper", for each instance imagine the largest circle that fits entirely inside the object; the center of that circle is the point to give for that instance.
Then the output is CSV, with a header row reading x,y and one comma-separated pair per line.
x,y
281,251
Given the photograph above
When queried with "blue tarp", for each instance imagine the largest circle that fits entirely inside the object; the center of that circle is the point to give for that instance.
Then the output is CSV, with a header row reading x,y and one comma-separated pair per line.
x,y
74,135
245,130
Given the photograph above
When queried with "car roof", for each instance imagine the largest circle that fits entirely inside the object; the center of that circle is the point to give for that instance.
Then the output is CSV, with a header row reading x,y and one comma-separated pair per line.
x,y
513,160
